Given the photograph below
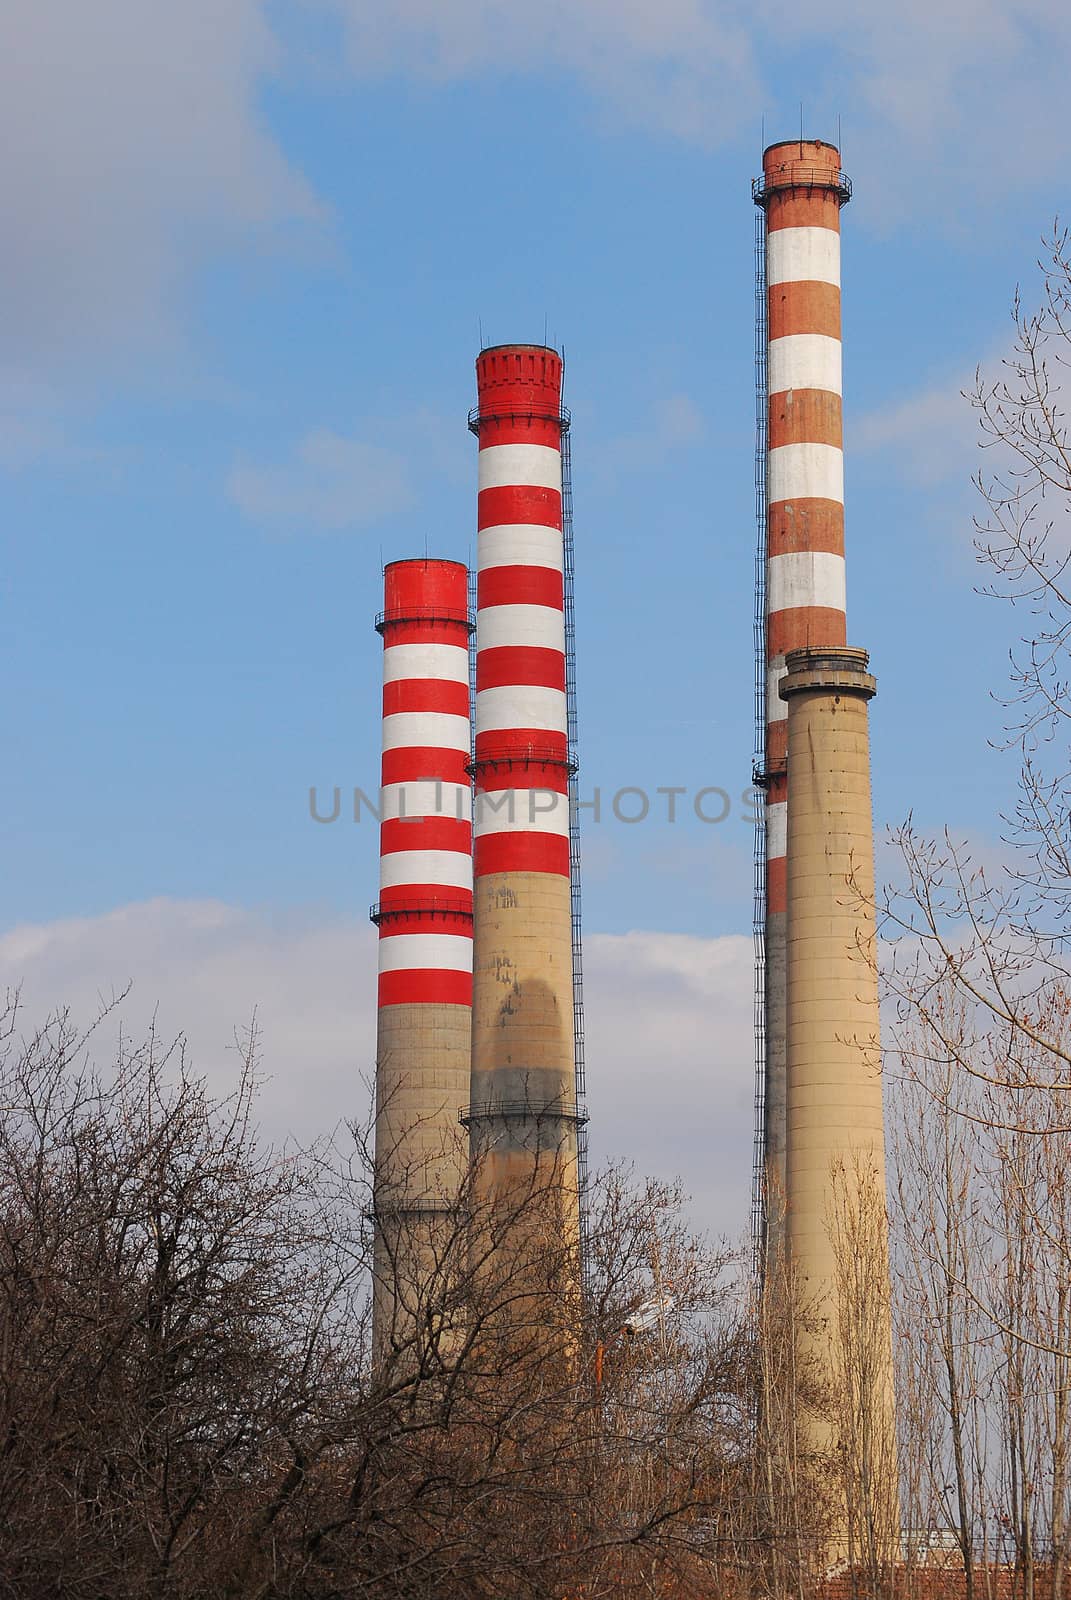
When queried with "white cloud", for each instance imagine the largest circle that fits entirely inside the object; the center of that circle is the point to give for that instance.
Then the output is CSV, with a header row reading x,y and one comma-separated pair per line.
x,y
34,429
933,433
26,439
949,104
669,1023
133,147
671,1062
203,968
331,482
130,144
683,65
942,99
675,424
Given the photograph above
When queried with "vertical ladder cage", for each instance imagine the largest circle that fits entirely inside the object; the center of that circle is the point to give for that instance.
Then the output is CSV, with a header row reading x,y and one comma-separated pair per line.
x,y
758,1171
574,837
473,579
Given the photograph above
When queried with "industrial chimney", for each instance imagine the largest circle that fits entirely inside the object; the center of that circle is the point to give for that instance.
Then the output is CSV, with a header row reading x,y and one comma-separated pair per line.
x,y
801,193
836,1225
424,916
826,1229
523,1114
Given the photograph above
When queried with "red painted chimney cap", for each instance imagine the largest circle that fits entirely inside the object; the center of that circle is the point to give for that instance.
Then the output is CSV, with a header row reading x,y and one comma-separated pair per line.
x,y
425,588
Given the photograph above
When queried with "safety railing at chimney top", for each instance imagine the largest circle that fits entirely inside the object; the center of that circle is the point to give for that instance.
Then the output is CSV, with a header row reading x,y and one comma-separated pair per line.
x,y
796,175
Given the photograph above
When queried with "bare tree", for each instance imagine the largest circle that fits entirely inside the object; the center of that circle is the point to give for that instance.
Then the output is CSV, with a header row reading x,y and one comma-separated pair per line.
x,y
937,1241
188,1401
979,978
863,1402
173,1316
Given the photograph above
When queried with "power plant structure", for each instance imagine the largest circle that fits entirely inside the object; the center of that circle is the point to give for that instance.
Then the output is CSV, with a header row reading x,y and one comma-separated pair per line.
x,y
836,1229
480,1067
800,478
820,1168
424,916
525,1114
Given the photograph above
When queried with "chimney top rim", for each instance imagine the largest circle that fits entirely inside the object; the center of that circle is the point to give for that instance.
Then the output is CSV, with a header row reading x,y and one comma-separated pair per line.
x,y
547,349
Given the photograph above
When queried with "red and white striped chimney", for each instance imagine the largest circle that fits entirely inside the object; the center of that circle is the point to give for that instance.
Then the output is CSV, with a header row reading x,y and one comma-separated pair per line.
x,y
801,192
523,1089
425,931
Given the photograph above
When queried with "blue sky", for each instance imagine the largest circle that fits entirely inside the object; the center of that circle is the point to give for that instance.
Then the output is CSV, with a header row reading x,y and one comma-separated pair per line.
x,y
251,250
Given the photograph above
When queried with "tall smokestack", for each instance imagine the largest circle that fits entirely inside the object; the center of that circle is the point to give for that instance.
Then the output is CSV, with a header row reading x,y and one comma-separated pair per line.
x,y
801,192
425,935
523,1114
827,1231
837,1233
